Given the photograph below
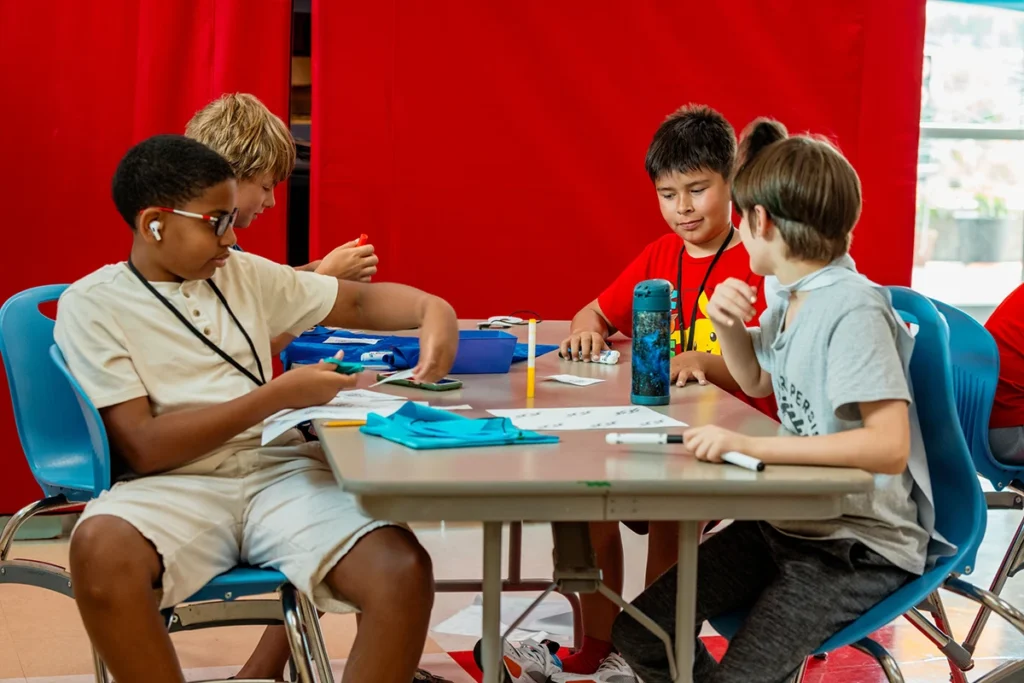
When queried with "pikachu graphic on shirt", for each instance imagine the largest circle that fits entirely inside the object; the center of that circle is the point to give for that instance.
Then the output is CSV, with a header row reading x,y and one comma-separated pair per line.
x,y
704,337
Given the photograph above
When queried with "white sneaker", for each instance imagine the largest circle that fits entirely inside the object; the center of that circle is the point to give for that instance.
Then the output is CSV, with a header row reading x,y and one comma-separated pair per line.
x,y
612,670
526,662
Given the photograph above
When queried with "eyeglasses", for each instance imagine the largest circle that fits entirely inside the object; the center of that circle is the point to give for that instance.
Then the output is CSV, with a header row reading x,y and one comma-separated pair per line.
x,y
220,224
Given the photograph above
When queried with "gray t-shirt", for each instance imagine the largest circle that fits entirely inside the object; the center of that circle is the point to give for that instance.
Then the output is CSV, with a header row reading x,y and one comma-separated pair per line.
x,y
841,350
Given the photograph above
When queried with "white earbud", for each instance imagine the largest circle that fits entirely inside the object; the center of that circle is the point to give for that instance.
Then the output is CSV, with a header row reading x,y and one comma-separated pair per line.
x,y
154,227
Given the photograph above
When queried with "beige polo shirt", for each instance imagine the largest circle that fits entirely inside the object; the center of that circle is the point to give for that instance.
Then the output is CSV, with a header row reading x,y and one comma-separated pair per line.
x,y
122,343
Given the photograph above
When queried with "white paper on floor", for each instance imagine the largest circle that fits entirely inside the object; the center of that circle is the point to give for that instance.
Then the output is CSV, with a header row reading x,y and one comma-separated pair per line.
x,y
551,619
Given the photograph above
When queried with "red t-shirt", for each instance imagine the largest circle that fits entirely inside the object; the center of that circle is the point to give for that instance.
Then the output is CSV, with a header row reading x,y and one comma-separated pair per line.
x,y
1006,325
661,260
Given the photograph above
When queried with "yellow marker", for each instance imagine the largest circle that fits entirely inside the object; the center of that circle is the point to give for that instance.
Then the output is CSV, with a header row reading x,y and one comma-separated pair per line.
x,y
531,360
345,423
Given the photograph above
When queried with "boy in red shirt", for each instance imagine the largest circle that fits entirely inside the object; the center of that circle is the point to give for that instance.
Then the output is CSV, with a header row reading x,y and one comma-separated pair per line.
x,y
1006,428
690,161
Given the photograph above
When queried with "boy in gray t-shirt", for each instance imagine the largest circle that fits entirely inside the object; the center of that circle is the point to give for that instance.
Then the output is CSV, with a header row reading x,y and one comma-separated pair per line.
x,y
837,357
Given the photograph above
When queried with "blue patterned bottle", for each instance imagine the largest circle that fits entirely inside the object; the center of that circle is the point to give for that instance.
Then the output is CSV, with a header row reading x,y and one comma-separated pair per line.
x,y
652,330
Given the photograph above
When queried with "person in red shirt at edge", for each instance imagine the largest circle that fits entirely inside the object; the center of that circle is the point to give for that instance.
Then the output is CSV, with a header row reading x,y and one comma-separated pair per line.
x,y
1006,427
690,161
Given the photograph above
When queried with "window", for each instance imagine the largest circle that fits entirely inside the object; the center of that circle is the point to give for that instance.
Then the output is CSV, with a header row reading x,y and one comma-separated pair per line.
x,y
969,237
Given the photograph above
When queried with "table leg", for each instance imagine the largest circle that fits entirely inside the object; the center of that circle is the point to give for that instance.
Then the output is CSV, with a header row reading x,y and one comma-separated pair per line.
x,y
492,646
686,599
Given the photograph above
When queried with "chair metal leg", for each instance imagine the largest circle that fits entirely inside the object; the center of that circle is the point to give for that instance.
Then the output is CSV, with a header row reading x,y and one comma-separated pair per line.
x,y
988,600
954,652
311,621
296,638
1010,672
21,516
1007,568
885,660
99,668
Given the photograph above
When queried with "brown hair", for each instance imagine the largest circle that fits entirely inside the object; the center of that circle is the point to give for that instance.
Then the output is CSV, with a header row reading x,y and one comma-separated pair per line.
x,y
806,186
242,130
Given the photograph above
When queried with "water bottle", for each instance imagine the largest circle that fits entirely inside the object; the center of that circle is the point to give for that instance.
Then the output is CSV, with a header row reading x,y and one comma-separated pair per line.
x,y
652,331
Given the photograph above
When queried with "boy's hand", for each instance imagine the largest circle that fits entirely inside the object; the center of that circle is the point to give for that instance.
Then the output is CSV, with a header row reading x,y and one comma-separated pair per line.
x,y
311,385
439,340
350,262
687,365
710,443
584,346
733,300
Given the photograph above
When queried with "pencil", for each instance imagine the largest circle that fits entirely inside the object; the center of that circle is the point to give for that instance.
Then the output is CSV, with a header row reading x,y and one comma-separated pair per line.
x,y
345,423
531,360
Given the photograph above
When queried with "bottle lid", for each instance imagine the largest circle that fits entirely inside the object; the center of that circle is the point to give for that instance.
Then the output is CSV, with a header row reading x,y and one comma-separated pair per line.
x,y
652,295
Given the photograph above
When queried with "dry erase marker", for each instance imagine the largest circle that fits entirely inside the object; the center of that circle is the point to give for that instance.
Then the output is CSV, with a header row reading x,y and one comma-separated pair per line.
x,y
363,239
731,457
531,359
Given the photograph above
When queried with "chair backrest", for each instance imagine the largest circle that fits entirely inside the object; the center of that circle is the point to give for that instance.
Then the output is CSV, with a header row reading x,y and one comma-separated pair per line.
x,y
49,420
975,358
960,509
99,446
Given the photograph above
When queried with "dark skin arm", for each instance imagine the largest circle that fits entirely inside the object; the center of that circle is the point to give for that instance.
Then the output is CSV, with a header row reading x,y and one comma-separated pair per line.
x,y
153,444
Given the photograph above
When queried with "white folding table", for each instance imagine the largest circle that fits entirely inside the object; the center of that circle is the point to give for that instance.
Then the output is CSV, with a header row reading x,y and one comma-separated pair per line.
x,y
581,478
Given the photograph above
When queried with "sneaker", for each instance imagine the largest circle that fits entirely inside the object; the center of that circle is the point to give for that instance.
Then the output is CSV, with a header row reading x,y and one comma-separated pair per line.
x,y
526,662
612,670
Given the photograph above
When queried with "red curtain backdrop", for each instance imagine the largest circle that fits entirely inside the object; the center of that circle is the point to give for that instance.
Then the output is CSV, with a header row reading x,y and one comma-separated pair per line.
x,y
494,152
83,81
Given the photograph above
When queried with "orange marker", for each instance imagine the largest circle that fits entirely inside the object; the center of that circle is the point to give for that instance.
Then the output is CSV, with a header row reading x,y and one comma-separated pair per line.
x,y
363,239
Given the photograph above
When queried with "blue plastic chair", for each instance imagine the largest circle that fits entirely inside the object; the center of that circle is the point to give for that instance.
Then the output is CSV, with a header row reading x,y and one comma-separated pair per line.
x,y
959,504
70,459
975,358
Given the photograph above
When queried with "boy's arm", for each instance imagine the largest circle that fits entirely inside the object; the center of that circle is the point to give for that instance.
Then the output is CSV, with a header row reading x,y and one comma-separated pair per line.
x,y
309,267
881,446
152,444
730,309
388,306
157,444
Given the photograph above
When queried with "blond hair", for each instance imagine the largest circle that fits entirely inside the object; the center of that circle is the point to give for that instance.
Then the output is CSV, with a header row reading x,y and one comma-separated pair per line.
x,y
805,185
242,130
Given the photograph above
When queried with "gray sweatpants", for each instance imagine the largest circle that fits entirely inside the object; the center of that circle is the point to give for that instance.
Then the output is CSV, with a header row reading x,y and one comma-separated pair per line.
x,y
801,592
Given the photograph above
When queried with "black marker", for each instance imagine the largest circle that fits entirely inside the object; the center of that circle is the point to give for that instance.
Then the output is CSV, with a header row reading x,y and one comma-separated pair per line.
x,y
732,457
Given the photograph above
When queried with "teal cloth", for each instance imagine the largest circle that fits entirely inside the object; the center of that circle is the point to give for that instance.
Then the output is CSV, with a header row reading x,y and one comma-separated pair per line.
x,y
423,428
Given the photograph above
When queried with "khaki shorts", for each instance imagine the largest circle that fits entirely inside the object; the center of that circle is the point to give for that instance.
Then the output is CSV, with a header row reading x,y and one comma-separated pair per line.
x,y
278,508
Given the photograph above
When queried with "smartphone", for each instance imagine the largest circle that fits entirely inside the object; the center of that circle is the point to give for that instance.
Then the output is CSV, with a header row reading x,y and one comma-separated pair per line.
x,y
446,384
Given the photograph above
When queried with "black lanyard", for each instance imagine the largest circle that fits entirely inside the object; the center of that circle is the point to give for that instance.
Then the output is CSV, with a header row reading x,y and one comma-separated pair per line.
x,y
258,381
703,284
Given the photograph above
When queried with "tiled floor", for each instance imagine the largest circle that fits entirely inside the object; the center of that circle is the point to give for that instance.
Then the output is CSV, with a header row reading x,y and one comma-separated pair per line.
x,y
42,640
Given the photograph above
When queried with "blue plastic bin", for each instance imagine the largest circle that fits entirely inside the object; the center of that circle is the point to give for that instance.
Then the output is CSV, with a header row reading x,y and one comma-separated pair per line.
x,y
484,352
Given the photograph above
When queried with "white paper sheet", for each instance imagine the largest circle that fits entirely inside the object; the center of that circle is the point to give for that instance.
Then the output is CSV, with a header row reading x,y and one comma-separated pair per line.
x,y
603,417
362,397
574,380
276,425
351,340
461,407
